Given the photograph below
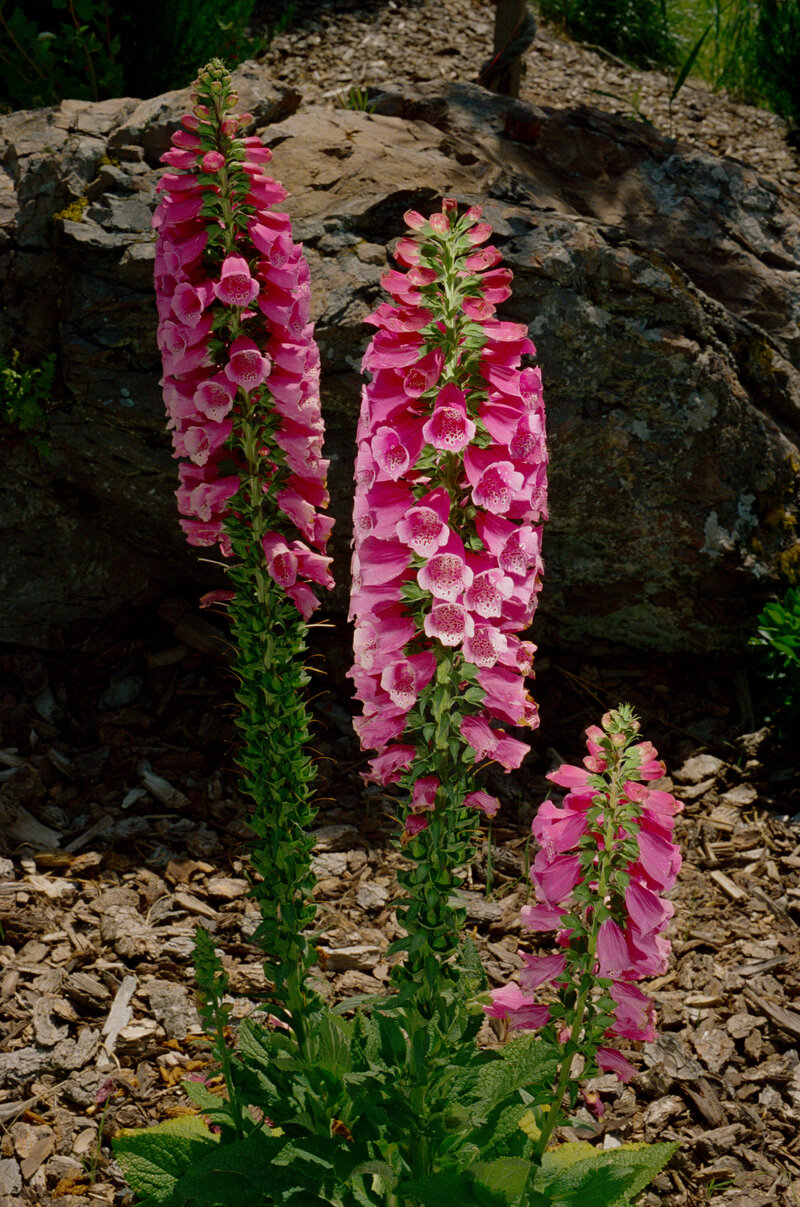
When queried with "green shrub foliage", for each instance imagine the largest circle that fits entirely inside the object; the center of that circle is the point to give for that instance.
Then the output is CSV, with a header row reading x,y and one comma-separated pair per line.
x,y
777,58
778,639
91,49
162,41
637,30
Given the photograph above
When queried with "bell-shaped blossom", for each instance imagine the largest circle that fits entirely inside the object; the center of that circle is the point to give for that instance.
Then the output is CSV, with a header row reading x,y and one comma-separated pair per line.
x,y
485,646
496,486
201,442
449,429
612,1061
634,1015
511,1004
236,287
247,366
540,970
488,592
405,678
450,623
415,823
214,397
446,576
423,794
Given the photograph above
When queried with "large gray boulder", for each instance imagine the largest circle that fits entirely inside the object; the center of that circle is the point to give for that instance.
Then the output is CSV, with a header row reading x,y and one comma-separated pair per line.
x,y
659,283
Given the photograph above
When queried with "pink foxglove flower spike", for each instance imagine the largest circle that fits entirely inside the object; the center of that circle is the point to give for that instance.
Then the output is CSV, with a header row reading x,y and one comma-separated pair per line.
x,y
450,497
241,387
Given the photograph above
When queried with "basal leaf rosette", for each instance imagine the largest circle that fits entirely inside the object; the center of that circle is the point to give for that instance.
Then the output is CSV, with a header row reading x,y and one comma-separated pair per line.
x,y
241,367
605,861
451,489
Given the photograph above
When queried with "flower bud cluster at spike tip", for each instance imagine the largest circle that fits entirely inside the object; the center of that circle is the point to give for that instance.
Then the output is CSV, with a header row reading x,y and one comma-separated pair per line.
x,y
606,857
450,495
241,368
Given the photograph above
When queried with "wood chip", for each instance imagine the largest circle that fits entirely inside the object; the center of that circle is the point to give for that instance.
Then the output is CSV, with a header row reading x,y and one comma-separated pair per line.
x,y
118,1018
194,905
162,789
727,885
787,1020
707,1102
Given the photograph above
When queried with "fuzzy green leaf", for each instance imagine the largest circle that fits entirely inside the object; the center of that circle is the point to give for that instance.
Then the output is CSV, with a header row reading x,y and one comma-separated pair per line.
x,y
153,1159
605,1179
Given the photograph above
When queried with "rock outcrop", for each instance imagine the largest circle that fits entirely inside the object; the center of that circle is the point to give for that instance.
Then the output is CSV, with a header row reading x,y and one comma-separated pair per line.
x,y
661,286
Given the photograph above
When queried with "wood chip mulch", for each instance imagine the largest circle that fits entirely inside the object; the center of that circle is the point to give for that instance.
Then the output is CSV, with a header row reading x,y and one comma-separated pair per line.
x,y
122,829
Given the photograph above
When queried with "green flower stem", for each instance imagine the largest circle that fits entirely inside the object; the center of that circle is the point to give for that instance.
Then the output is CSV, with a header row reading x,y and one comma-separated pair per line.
x,y
223,1054
588,981
277,773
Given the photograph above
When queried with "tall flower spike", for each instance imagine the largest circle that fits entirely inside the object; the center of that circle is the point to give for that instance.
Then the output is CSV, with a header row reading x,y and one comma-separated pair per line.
x,y
223,344
450,496
241,387
605,858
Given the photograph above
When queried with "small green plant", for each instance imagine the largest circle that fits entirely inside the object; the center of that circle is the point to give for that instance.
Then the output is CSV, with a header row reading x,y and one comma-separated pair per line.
x,y
714,1185
357,98
632,100
778,638
26,398
103,1098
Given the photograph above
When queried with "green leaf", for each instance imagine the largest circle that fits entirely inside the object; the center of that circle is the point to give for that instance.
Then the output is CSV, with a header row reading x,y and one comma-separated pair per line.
x,y
689,63
153,1159
237,1174
333,1044
449,1186
605,1179
504,1178
524,1062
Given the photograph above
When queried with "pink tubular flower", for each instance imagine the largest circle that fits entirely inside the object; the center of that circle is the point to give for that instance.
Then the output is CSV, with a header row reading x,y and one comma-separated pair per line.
x,y
450,623
236,287
446,576
423,794
404,679
611,1061
247,367
521,1014
539,970
449,429
220,250
487,804
496,486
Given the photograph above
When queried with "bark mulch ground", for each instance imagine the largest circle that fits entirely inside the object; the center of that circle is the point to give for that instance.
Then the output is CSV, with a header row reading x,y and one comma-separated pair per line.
x,y
122,829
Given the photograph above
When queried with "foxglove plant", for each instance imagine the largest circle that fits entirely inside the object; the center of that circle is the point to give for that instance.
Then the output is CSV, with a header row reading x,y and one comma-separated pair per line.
x,y
450,495
606,857
394,1107
241,387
